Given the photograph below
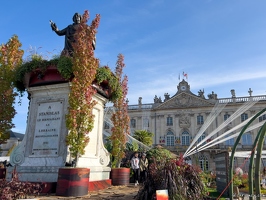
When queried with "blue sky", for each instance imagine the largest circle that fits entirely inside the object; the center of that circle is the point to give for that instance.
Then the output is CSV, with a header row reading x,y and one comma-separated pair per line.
x,y
220,44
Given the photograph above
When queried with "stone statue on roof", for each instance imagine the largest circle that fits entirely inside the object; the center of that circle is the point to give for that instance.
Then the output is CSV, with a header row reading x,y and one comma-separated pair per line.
x,y
201,94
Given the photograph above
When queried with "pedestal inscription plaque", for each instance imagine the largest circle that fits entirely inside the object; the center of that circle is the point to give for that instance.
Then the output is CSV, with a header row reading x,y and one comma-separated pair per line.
x,y
47,129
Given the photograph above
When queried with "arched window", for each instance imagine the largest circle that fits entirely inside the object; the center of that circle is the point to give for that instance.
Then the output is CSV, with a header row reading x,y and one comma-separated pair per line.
x,y
133,123
246,139
170,138
185,140
204,163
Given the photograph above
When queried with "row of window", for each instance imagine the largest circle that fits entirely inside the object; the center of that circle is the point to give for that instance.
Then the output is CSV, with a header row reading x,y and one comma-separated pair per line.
x,y
185,140
204,163
263,117
200,120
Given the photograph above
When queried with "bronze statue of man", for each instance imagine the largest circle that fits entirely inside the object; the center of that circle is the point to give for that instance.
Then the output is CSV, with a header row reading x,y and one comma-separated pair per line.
x,y
69,32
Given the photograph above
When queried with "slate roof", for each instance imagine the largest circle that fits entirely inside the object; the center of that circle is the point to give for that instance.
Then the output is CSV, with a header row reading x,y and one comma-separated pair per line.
x,y
19,136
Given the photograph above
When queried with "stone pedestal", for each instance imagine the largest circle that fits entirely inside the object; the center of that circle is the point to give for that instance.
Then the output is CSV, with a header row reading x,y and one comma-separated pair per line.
x,y
43,150
96,156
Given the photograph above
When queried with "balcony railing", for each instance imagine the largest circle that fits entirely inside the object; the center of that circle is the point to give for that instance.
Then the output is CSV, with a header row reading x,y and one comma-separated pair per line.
x,y
221,100
142,106
242,99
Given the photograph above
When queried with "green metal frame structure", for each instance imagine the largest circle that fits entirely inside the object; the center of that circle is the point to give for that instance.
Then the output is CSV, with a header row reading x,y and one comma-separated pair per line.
x,y
251,168
258,144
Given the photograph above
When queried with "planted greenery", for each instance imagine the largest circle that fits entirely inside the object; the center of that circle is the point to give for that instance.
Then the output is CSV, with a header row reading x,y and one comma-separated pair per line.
x,y
80,118
15,189
64,66
158,153
213,194
39,65
10,58
105,74
145,137
120,118
180,179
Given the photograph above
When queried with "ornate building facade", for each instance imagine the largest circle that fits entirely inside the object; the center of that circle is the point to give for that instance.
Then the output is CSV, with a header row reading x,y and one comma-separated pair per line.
x,y
176,120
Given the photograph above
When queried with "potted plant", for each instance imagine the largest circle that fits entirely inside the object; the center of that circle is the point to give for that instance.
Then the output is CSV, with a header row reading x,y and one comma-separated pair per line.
x,y
120,119
80,119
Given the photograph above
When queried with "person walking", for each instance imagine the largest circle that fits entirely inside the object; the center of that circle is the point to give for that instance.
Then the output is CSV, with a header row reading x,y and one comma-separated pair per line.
x,y
143,165
135,167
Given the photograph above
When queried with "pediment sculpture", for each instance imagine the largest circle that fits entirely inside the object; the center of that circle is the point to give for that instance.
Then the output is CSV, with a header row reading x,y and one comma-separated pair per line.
x,y
184,100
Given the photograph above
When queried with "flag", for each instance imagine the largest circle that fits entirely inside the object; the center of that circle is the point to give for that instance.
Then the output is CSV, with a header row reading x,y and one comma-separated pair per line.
x,y
179,77
185,74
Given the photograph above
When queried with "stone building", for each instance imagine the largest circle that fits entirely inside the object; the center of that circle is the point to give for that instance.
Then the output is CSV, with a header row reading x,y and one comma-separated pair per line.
x,y
14,139
176,120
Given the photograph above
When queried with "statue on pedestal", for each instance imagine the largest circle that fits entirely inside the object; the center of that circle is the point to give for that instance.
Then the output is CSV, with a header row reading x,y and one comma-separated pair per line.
x,y
69,33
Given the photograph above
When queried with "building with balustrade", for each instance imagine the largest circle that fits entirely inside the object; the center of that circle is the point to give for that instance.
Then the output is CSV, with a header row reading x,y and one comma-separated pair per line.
x,y
177,120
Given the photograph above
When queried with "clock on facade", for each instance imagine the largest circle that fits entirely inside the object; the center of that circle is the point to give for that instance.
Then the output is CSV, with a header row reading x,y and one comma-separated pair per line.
x,y
183,87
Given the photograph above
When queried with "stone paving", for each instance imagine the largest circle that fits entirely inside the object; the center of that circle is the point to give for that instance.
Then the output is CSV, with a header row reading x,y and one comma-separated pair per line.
x,y
112,193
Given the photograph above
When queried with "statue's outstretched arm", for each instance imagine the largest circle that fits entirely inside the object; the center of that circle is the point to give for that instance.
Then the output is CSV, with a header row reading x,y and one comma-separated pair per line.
x,y
53,26
55,29
61,32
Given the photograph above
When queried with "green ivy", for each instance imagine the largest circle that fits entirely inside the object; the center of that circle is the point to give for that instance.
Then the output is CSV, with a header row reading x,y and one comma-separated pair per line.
x,y
64,65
